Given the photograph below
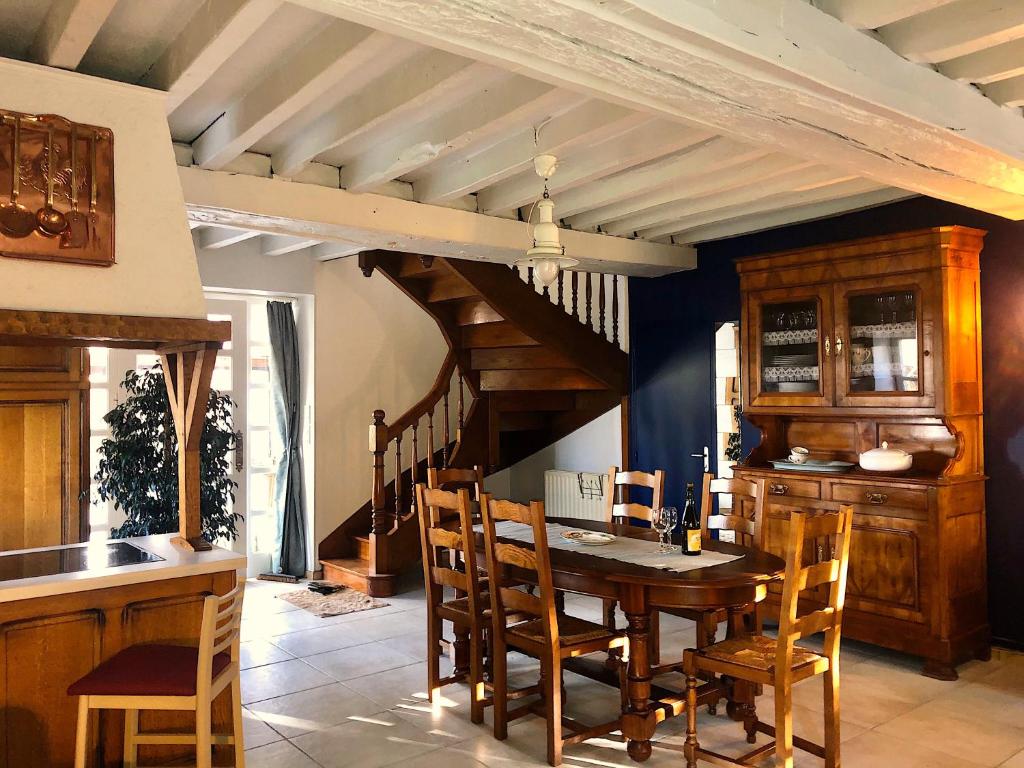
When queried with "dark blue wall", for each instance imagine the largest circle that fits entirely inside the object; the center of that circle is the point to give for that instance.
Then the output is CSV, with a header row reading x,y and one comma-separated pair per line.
x,y
672,321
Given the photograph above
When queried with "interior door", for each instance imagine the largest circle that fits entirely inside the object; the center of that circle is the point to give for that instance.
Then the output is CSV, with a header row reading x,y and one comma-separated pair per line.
x,y
789,339
884,341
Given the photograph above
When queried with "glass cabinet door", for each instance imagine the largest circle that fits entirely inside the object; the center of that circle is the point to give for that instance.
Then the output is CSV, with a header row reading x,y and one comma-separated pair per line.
x,y
791,363
881,349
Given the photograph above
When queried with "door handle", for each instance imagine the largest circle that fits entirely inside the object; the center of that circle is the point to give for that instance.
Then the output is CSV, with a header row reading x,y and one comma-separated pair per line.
x,y
706,455
828,347
839,345
239,451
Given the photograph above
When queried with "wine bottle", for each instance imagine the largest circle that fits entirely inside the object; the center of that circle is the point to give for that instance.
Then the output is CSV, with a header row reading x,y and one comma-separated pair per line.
x,y
690,524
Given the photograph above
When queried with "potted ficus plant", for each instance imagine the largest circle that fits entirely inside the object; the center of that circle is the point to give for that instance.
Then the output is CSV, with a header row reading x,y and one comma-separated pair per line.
x,y
138,467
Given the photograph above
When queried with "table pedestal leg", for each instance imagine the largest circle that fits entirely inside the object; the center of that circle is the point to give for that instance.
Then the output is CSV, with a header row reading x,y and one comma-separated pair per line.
x,y
639,722
461,651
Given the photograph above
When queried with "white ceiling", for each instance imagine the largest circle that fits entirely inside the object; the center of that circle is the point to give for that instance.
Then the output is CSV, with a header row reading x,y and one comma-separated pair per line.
x,y
268,87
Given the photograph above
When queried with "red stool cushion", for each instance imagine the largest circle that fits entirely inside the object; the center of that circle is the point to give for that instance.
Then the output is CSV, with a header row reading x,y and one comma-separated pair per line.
x,y
147,670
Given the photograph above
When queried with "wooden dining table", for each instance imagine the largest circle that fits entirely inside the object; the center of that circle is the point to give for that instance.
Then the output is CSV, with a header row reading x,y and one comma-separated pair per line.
x,y
640,591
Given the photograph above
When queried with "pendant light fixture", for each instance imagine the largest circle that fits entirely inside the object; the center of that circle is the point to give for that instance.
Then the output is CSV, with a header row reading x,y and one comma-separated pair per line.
x,y
547,256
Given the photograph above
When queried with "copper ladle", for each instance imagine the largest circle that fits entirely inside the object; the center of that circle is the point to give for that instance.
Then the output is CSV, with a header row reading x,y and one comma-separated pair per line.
x,y
15,219
77,233
49,220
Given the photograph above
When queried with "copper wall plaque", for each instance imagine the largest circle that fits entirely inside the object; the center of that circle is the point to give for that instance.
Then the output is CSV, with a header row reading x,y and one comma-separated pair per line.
x,y
56,189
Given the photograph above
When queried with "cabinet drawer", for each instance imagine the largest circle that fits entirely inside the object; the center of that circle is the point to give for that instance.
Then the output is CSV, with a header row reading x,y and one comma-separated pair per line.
x,y
880,496
789,486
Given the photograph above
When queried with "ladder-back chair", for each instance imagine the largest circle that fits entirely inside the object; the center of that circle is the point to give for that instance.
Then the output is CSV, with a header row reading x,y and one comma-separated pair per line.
x,y
781,663
547,635
446,536
454,478
171,677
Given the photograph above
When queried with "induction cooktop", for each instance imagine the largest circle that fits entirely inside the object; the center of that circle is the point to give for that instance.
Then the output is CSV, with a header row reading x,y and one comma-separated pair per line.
x,y
77,557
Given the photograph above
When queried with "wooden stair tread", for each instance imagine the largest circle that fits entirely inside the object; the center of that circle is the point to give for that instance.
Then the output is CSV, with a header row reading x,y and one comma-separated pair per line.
x,y
449,288
517,358
352,564
538,379
475,311
502,334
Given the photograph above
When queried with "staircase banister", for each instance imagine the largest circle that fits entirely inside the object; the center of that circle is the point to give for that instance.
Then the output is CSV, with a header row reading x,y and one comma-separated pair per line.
x,y
428,401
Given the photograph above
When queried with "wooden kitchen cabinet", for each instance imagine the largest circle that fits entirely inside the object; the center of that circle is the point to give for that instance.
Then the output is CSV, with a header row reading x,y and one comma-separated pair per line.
x,y
894,327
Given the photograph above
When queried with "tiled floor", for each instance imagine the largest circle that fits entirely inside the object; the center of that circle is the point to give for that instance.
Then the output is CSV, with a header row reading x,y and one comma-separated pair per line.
x,y
348,691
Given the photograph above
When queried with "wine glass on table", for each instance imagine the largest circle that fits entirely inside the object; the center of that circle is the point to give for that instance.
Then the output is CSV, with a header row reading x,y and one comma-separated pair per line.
x,y
663,520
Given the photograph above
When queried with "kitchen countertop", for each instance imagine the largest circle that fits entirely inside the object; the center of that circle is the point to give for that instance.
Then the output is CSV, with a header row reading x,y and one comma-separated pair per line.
x,y
176,563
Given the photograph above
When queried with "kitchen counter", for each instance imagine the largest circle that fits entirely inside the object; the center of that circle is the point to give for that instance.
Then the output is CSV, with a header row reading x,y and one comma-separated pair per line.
x,y
56,628
175,563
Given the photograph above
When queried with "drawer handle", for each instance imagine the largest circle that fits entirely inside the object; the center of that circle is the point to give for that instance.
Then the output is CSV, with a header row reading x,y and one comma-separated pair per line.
x,y
778,489
877,498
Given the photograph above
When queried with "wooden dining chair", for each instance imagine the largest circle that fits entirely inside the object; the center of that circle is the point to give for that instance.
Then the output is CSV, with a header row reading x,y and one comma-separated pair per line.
x,y
779,662
449,560
619,509
171,677
454,478
548,635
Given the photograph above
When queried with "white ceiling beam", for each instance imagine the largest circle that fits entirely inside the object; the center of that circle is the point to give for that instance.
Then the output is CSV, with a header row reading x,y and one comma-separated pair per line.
x,y
1009,92
744,225
592,121
513,103
791,180
68,30
956,29
402,90
334,55
770,72
274,206
215,32
739,207
330,251
213,238
651,140
996,63
279,245
715,155
687,189
872,14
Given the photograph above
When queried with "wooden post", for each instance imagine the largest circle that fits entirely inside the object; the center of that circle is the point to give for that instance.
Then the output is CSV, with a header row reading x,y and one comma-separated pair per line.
x,y
378,447
398,478
187,375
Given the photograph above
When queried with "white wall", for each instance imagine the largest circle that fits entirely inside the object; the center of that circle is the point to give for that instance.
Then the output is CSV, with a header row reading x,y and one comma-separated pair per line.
x,y
243,266
592,448
155,271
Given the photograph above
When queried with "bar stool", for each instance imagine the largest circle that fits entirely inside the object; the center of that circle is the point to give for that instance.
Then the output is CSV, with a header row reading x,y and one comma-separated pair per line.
x,y
171,677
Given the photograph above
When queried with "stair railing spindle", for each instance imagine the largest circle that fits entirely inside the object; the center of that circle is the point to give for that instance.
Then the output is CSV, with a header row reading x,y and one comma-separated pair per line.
x,y
575,294
398,478
589,293
447,438
600,303
430,438
615,309
458,432
529,276
415,463
561,289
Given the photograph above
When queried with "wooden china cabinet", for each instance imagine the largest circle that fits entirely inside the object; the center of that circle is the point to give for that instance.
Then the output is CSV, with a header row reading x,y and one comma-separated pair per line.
x,y
849,345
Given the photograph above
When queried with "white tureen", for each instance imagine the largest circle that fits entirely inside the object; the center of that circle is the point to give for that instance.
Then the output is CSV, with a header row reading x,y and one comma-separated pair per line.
x,y
886,459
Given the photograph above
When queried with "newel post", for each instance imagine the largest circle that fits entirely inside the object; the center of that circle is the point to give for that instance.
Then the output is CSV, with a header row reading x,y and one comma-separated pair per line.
x,y
382,518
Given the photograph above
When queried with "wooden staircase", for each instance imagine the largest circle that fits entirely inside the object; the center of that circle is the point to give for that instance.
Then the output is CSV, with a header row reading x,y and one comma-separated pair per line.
x,y
534,369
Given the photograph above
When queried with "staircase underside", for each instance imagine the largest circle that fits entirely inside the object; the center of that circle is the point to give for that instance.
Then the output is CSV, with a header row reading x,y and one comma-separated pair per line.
x,y
536,374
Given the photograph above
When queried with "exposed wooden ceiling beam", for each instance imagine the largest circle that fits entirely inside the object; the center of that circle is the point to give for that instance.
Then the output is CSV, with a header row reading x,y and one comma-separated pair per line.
x,y
590,122
758,222
996,63
791,180
955,29
408,87
215,32
738,206
771,72
212,238
1009,92
275,206
68,30
515,102
279,245
653,139
872,14
687,190
317,67
718,154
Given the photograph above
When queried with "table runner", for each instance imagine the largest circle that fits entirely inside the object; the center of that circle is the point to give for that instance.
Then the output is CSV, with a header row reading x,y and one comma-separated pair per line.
x,y
623,549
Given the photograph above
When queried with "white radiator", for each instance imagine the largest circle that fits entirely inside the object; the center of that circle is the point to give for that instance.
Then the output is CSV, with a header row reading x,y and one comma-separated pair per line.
x,y
574,494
